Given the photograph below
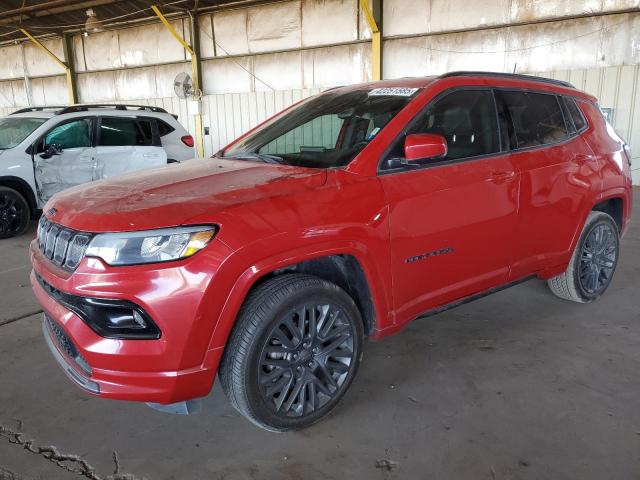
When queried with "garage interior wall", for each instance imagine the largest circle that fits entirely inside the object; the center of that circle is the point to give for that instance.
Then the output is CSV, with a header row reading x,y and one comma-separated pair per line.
x,y
260,59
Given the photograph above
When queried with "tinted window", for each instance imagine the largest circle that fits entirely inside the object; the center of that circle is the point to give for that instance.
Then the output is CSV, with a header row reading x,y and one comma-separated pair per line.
x,y
76,134
466,119
164,128
537,118
567,116
575,113
125,131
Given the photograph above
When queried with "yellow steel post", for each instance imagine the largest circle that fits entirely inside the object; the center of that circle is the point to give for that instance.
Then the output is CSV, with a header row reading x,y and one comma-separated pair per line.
x,y
69,74
376,41
195,73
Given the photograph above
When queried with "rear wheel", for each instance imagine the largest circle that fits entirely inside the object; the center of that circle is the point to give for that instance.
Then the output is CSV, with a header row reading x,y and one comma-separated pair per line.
x,y
14,213
593,263
293,352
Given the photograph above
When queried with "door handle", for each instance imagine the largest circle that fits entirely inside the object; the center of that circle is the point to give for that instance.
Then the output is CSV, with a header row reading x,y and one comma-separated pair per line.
x,y
582,158
502,175
150,155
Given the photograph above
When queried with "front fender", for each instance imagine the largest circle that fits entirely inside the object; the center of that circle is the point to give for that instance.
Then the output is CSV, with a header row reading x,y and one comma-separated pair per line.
x,y
364,254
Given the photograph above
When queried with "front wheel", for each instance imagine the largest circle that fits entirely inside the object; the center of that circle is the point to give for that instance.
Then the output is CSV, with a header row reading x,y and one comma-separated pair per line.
x,y
593,262
14,213
293,352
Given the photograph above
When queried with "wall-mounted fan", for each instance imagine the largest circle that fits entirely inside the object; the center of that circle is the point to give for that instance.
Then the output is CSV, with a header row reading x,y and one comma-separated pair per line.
x,y
183,86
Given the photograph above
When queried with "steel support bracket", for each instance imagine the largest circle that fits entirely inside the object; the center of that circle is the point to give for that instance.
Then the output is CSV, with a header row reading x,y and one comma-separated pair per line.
x,y
195,73
71,86
376,36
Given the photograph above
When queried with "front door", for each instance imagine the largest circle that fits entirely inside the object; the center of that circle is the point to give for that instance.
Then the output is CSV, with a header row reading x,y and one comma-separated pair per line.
x,y
452,220
64,157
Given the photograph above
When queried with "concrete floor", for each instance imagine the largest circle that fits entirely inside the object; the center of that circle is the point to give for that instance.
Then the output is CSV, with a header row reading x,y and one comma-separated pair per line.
x,y
517,385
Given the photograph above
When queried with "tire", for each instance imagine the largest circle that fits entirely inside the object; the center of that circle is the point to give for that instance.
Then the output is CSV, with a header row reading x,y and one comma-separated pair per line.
x,y
281,382
592,264
14,213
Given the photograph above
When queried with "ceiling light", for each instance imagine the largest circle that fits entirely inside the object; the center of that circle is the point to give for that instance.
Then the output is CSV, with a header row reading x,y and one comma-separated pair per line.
x,y
93,24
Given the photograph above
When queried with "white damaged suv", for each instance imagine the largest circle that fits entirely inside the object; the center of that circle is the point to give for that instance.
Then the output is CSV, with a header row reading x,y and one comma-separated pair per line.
x,y
44,150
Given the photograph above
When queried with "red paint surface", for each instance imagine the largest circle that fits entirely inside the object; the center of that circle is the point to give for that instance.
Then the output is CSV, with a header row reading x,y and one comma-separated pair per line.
x,y
503,217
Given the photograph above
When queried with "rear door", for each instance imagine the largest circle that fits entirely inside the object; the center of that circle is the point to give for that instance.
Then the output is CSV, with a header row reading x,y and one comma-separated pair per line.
x,y
126,144
557,170
73,164
452,220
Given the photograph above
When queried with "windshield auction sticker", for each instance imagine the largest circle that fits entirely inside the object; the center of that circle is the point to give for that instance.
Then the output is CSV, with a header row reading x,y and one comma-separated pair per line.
x,y
392,91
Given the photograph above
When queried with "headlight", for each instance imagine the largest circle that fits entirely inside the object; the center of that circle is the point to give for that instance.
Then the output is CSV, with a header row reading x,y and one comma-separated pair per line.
x,y
150,246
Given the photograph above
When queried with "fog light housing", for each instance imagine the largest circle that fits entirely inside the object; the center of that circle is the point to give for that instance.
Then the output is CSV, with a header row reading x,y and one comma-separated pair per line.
x,y
108,317
111,318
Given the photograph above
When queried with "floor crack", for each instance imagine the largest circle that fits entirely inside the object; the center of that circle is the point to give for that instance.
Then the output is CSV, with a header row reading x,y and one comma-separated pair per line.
x,y
69,462
19,317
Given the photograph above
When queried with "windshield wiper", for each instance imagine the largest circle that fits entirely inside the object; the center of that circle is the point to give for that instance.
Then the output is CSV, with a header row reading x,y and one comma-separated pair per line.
x,y
262,157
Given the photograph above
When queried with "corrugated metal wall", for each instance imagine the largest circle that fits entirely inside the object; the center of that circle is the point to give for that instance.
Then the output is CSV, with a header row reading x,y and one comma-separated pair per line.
x,y
259,59
229,115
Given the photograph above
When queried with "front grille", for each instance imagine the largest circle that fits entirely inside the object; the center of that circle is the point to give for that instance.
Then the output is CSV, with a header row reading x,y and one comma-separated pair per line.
x,y
65,344
63,246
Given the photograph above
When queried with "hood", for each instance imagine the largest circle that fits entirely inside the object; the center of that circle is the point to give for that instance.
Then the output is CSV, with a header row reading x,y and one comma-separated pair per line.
x,y
172,195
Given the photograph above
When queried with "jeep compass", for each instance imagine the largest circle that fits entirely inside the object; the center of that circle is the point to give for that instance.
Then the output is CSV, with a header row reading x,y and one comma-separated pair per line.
x,y
345,217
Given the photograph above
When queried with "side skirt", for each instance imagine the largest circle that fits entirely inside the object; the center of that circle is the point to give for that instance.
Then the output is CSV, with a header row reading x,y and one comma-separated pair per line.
x,y
471,298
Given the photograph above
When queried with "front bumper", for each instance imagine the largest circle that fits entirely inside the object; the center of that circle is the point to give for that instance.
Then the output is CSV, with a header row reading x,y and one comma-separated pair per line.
x,y
174,368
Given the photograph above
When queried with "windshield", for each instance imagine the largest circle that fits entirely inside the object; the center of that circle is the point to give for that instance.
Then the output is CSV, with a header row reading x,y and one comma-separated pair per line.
x,y
14,130
325,131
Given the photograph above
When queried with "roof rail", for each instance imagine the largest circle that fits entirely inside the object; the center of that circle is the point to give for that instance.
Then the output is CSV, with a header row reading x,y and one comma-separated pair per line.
x,y
118,106
517,76
38,109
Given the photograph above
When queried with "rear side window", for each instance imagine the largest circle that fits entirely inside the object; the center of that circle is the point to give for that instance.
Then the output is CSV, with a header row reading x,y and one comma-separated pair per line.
x,y
575,114
537,118
115,132
467,120
164,128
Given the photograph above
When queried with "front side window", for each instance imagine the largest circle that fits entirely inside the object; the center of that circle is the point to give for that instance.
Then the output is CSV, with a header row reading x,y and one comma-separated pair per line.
x,y
536,118
13,130
74,134
466,119
118,132
324,131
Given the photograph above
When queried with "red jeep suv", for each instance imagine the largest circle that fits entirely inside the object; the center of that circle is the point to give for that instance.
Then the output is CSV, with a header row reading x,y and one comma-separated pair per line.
x,y
346,216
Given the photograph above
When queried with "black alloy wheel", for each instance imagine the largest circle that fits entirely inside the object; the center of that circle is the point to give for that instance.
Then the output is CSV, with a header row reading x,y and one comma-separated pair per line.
x,y
14,213
293,352
598,258
306,359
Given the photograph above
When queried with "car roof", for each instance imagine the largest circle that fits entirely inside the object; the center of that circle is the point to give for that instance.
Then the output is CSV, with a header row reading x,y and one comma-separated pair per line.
x,y
84,109
461,78
32,115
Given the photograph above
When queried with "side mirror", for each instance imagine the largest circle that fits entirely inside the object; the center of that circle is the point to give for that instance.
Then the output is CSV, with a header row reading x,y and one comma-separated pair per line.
x,y
423,146
51,150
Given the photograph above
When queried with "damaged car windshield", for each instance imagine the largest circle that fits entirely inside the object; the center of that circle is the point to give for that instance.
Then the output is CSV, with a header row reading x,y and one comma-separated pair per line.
x,y
14,130
325,131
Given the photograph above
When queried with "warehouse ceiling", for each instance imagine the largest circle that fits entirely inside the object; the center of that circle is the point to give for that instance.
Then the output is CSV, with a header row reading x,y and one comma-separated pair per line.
x,y
53,17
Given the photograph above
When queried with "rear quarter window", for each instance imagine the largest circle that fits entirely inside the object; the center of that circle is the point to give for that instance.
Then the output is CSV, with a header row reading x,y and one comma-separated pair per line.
x,y
576,115
164,128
